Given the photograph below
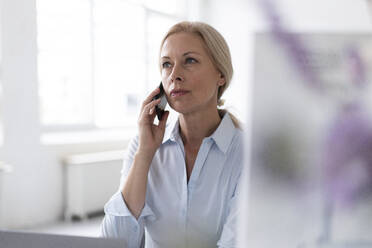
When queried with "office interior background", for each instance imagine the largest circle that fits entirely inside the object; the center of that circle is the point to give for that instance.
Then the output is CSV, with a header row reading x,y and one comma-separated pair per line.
x,y
74,73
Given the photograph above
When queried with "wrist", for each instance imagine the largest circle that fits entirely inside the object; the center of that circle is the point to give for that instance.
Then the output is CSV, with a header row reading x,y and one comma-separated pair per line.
x,y
144,155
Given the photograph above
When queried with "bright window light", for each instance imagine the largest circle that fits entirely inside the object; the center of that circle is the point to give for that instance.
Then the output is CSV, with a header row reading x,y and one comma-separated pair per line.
x,y
64,61
98,58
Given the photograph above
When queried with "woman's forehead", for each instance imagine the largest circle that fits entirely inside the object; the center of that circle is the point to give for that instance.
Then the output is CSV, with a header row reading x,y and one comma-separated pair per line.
x,y
181,43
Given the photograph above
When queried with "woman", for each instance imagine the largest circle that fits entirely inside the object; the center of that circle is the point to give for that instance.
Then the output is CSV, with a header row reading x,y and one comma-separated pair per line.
x,y
179,182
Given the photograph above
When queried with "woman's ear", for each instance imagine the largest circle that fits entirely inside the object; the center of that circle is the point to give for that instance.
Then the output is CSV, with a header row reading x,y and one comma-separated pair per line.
x,y
221,81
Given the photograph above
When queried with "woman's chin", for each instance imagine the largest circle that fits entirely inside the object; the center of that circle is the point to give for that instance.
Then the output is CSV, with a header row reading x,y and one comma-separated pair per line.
x,y
181,108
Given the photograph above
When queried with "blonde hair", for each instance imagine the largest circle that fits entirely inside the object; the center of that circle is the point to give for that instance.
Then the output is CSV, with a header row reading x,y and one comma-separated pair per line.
x,y
216,48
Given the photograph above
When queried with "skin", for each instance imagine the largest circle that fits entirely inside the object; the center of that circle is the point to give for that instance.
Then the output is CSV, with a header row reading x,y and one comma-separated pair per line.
x,y
186,65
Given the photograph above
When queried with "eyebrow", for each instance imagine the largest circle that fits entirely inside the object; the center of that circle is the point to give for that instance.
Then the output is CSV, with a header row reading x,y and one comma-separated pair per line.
x,y
185,54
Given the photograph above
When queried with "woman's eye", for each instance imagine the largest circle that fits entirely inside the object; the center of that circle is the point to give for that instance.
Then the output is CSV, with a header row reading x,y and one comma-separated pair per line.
x,y
190,60
166,65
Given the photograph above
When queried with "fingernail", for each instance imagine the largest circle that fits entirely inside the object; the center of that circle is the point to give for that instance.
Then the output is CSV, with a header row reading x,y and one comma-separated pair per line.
x,y
151,110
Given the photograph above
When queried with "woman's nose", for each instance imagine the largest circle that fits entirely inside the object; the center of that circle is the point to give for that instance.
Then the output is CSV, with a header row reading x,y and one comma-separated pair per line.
x,y
176,74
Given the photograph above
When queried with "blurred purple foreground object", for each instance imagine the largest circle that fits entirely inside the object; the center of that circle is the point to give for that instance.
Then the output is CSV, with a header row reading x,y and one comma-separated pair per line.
x,y
291,43
357,67
348,148
348,156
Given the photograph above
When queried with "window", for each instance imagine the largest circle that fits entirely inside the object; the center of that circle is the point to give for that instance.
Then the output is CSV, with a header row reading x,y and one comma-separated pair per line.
x,y
98,58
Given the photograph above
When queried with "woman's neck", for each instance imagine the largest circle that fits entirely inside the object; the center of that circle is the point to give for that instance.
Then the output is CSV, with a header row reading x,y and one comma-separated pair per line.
x,y
196,126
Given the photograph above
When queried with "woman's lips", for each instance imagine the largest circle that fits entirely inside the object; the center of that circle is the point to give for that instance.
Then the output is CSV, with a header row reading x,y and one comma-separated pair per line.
x,y
176,93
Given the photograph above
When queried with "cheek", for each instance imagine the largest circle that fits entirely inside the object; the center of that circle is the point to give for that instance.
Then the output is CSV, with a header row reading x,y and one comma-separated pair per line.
x,y
207,75
166,88
164,73
203,91
204,82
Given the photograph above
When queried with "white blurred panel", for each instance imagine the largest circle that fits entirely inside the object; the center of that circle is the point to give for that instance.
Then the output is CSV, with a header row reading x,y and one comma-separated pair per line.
x,y
295,192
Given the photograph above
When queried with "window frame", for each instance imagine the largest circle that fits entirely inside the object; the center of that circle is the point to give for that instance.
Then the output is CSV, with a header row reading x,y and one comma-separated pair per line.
x,y
91,127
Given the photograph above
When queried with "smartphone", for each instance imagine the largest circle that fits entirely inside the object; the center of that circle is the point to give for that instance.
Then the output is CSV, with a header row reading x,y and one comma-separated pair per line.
x,y
159,109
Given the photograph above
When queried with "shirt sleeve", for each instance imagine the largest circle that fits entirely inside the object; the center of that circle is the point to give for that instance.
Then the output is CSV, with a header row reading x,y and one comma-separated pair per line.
x,y
229,230
119,222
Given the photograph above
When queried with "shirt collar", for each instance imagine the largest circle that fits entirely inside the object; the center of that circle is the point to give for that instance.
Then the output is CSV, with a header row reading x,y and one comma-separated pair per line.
x,y
224,133
171,131
222,136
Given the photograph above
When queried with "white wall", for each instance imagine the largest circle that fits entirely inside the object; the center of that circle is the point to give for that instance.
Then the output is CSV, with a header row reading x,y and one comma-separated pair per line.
x,y
232,19
20,109
33,193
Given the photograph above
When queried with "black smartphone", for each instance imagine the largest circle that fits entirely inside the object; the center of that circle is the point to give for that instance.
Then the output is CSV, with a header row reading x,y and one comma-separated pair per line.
x,y
159,109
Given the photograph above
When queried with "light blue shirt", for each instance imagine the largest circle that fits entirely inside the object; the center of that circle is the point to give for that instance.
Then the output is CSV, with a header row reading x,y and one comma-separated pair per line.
x,y
201,213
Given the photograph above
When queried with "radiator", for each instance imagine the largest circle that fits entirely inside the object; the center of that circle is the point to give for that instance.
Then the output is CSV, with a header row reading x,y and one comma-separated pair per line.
x,y
89,181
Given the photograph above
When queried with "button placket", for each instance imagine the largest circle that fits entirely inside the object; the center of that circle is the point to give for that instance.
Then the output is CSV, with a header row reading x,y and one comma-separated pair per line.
x,y
183,186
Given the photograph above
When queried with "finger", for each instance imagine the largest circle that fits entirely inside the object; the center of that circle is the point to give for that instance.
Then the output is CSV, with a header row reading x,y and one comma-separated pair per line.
x,y
151,106
151,96
152,110
151,116
146,116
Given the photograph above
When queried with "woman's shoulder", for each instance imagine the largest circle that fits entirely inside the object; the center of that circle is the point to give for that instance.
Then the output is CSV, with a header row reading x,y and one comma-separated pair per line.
x,y
237,146
237,150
